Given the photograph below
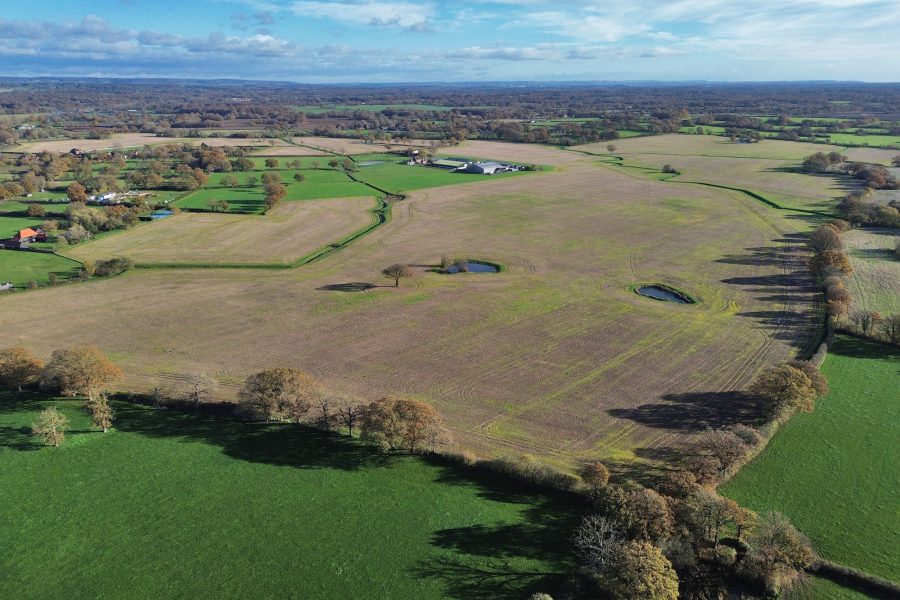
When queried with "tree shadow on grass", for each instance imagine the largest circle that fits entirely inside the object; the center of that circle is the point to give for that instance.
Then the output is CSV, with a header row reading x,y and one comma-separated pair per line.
x,y
18,438
855,347
693,412
281,444
488,560
355,286
487,582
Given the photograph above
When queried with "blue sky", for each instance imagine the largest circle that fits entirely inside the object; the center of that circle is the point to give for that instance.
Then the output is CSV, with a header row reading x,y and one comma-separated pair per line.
x,y
322,41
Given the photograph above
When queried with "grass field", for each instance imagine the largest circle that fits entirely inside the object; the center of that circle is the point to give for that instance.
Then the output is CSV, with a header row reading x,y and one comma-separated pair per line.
x,y
9,226
875,282
878,156
21,267
769,168
185,505
851,139
836,472
290,231
251,200
398,178
554,357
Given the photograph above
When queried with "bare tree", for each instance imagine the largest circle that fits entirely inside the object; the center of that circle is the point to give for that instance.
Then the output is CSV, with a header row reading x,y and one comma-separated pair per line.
x,y
611,148
397,272
349,413
199,387
101,412
51,426
598,541
891,327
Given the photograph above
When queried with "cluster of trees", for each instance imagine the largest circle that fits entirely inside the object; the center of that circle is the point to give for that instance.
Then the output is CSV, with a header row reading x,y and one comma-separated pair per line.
x,y
831,264
858,208
821,162
681,541
875,177
77,371
393,423
275,190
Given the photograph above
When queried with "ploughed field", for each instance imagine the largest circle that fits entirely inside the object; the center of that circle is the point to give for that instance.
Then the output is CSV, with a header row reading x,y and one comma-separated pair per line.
x,y
554,356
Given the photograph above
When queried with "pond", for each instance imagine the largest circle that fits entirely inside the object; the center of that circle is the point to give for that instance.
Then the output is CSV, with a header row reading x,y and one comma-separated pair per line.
x,y
666,294
369,163
475,267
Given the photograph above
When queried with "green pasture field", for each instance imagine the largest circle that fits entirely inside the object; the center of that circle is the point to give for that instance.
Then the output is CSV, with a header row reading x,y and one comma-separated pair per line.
x,y
306,161
186,505
851,139
10,225
21,267
835,473
239,199
397,178
316,110
326,184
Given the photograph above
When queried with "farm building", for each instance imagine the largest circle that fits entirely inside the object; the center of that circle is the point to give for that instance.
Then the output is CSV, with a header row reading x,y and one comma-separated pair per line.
x,y
484,168
450,163
25,237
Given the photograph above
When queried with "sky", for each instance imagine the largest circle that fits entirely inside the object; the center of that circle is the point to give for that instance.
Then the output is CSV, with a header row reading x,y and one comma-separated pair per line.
x,y
355,41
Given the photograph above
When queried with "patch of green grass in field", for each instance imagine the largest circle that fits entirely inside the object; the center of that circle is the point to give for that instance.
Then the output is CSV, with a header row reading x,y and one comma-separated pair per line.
x,y
326,184
397,178
835,473
307,162
186,505
851,139
239,199
630,133
20,267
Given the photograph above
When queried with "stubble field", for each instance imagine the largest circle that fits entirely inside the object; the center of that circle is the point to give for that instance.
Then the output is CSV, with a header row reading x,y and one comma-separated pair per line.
x,y
290,231
553,357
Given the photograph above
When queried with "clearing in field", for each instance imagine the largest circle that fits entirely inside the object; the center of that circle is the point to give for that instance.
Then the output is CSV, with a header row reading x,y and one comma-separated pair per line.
x,y
555,356
875,282
835,473
287,233
193,505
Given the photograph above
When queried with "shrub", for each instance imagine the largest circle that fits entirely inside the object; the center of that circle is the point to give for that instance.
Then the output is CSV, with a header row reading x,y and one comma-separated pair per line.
x,y
594,474
113,266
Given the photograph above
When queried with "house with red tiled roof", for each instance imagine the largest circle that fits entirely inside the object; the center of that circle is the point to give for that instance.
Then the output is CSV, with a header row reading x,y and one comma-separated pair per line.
x,y
24,237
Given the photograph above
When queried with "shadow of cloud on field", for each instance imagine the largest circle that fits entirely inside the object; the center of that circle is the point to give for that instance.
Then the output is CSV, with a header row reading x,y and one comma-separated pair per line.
x,y
693,412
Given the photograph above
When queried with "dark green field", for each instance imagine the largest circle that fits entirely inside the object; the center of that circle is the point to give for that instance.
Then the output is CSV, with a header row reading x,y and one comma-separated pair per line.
x,y
191,506
836,472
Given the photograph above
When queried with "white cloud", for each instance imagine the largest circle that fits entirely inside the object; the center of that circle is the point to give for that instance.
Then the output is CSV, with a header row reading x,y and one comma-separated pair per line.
x,y
409,15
